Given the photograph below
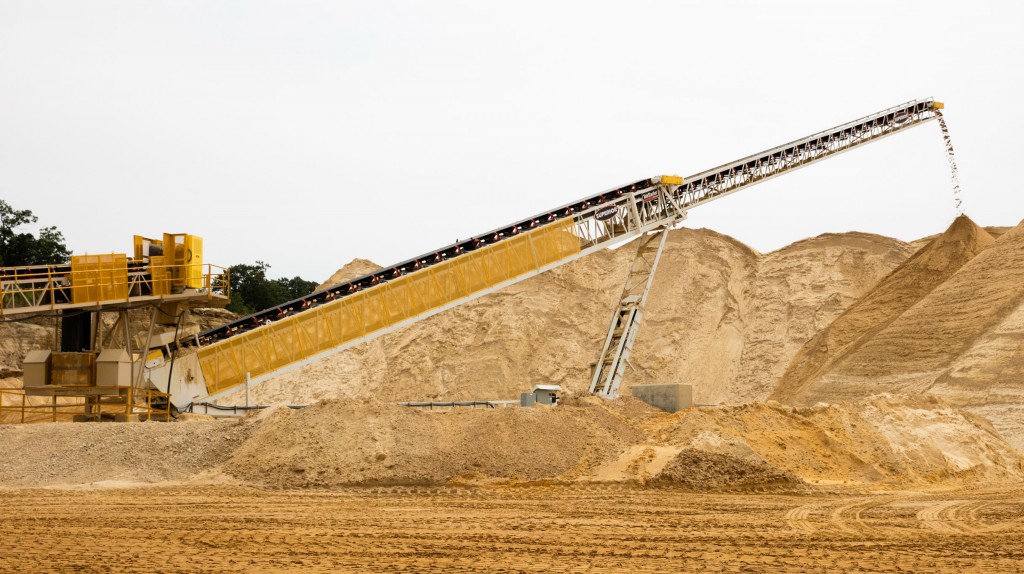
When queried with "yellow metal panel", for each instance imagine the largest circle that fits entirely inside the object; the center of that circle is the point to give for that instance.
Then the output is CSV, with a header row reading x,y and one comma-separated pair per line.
x,y
158,274
472,271
327,326
99,278
307,326
137,242
672,180
194,262
295,338
938,105
520,256
373,311
447,281
352,318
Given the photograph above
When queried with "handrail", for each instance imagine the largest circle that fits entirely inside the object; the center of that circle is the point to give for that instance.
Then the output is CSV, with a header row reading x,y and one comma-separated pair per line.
x,y
56,286
67,402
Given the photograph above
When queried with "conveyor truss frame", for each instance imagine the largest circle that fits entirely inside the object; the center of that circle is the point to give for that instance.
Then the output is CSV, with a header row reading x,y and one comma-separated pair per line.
x,y
597,222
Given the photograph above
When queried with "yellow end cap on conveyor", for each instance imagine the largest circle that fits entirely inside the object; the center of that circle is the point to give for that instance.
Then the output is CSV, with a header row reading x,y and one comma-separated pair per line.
x,y
672,179
938,106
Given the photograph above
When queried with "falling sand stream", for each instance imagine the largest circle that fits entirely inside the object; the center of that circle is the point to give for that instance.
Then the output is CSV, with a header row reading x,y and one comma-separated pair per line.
x,y
951,156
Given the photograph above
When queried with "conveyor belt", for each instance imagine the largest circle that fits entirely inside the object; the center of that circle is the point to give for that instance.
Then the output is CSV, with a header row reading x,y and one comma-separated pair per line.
x,y
596,222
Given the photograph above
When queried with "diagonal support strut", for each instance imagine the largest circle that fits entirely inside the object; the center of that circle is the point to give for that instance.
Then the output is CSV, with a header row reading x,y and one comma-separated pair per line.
x,y
618,344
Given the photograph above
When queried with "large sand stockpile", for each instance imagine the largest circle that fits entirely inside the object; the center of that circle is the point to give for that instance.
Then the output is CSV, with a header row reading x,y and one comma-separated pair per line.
x,y
963,340
721,316
928,268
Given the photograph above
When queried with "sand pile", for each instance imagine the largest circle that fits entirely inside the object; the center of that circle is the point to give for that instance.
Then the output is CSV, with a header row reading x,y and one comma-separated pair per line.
x,y
882,441
932,265
67,453
351,270
886,442
337,443
707,471
721,316
962,340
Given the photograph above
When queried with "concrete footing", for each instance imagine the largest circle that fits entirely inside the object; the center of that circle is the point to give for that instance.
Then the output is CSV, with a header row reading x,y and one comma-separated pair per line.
x,y
669,397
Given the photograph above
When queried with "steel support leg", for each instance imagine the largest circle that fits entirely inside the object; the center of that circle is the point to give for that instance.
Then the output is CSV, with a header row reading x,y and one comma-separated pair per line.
x,y
611,365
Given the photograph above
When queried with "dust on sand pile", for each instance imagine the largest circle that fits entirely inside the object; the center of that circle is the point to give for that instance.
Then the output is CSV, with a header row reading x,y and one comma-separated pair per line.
x,y
739,316
69,454
964,340
882,441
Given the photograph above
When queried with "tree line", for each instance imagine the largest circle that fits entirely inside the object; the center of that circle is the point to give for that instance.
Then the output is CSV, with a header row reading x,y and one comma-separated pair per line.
x,y
251,289
20,248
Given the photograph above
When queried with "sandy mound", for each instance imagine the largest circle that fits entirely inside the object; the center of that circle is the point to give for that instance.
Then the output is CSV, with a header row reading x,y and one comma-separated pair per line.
x,y
204,318
351,270
909,283
67,453
721,316
929,336
883,441
962,341
362,443
708,471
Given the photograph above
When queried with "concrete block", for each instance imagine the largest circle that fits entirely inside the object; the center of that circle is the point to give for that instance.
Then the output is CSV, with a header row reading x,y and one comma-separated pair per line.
x,y
669,397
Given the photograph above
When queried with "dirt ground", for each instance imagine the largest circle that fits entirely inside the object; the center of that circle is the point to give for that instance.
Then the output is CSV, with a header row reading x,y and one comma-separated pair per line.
x,y
223,528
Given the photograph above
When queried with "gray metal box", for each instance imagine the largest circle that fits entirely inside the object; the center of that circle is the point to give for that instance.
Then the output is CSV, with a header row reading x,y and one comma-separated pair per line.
x,y
37,368
526,399
113,368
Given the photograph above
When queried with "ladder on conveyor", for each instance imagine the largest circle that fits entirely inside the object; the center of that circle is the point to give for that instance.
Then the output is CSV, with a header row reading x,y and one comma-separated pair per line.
x,y
618,344
273,341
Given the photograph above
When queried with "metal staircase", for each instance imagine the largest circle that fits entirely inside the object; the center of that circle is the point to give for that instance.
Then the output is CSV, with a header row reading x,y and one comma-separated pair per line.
x,y
614,358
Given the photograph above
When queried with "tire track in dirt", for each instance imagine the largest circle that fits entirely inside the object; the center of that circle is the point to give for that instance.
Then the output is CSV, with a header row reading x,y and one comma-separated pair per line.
x,y
965,517
848,516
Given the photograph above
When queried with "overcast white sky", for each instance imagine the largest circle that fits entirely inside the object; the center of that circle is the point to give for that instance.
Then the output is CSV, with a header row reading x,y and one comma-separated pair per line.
x,y
306,134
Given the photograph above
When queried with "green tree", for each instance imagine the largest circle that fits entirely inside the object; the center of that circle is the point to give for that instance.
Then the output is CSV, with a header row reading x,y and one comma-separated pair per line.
x,y
27,249
295,287
252,291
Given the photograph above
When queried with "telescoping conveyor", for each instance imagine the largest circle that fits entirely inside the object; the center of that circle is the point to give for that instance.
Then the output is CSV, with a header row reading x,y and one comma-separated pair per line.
x,y
267,343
